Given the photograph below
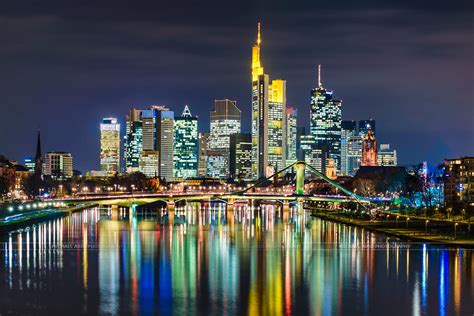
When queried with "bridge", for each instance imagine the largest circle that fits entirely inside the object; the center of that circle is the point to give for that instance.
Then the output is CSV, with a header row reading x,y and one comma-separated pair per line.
x,y
248,194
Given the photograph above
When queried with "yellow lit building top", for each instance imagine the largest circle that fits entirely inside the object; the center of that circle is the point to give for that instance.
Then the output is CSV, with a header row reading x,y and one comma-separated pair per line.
x,y
257,68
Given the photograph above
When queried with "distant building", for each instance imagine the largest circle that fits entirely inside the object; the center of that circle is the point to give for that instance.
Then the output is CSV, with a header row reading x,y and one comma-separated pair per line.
x,y
268,117
217,164
110,146
59,165
203,143
291,135
225,121
164,140
133,140
29,164
150,130
354,154
325,121
348,129
459,184
313,155
369,150
149,163
387,156
185,145
241,157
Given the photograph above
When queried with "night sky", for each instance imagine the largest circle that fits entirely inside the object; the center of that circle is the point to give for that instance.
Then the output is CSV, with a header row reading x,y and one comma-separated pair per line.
x,y
67,64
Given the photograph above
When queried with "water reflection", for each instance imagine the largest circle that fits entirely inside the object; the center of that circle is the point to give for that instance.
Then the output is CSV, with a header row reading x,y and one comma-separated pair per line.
x,y
212,259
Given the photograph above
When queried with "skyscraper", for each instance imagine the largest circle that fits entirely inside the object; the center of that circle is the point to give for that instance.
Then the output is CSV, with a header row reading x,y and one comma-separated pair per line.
x,y
325,123
152,132
348,129
268,117
203,140
313,154
225,121
241,157
110,146
354,154
369,149
165,140
291,135
185,145
133,140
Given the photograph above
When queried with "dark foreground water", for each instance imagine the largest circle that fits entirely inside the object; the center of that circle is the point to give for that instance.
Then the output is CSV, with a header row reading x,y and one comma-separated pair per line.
x,y
212,262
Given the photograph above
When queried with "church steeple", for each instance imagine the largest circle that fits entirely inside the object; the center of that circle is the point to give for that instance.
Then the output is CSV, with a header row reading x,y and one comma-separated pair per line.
x,y
38,156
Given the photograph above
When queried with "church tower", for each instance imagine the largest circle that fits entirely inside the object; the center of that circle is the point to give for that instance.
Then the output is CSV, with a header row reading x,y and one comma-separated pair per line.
x,y
369,149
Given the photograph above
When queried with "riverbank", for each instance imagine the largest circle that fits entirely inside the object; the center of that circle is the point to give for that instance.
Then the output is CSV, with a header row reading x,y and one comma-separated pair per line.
x,y
22,220
414,230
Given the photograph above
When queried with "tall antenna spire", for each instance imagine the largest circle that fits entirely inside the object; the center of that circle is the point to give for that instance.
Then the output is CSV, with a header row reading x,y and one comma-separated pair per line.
x,y
319,76
258,34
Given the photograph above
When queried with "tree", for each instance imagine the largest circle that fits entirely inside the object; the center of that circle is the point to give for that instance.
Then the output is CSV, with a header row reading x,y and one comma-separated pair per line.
x,y
364,186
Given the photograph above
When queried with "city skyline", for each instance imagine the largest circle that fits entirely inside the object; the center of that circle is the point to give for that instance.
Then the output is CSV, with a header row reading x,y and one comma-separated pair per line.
x,y
413,103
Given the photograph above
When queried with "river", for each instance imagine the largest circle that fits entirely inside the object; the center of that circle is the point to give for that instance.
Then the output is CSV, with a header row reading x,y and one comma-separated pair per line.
x,y
210,261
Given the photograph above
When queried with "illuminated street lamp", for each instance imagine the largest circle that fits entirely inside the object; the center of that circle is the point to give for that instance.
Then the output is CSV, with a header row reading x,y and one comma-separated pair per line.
x,y
455,229
398,216
426,226
407,221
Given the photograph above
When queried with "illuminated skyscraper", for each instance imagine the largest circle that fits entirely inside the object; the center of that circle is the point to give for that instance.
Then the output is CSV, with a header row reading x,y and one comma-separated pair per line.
x,y
110,146
225,121
348,129
241,157
185,145
354,154
149,163
326,121
165,140
313,155
133,140
268,117
277,124
291,135
203,140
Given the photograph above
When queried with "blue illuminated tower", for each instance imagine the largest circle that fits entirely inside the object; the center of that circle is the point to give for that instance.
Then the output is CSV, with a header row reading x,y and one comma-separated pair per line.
x,y
185,145
325,124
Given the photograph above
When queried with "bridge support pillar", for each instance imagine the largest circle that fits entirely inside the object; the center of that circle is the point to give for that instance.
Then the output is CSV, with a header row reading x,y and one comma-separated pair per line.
x,y
115,212
170,209
286,206
300,168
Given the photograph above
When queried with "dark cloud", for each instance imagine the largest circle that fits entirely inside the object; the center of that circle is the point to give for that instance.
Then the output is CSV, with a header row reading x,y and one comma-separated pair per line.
x,y
407,64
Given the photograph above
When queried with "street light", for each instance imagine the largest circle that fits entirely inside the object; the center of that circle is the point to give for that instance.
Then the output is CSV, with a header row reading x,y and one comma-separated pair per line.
x,y
408,218
398,216
455,230
426,226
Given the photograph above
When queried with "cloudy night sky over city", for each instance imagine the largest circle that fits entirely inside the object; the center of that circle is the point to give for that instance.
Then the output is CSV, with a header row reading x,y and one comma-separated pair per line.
x,y
67,64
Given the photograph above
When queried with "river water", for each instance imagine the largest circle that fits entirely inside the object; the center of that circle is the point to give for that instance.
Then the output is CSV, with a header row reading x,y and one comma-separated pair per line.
x,y
209,261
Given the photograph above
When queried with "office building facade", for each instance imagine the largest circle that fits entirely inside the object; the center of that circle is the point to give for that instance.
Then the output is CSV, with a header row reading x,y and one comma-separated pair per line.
x,y
186,145
59,165
325,121
110,146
